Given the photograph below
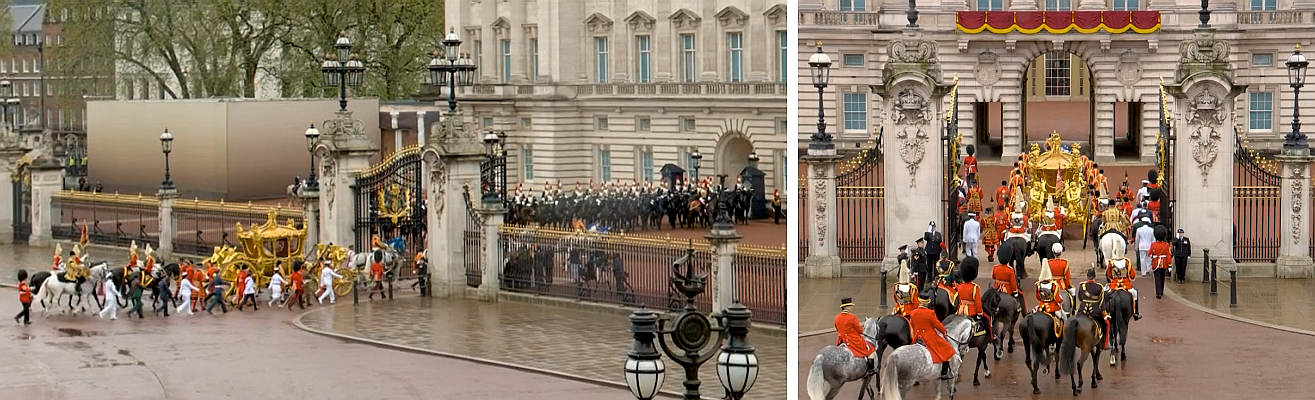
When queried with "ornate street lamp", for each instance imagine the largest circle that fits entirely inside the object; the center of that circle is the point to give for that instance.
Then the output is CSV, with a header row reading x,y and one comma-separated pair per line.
x,y
451,70
722,212
166,144
1296,141
343,69
494,171
698,157
690,331
312,138
820,63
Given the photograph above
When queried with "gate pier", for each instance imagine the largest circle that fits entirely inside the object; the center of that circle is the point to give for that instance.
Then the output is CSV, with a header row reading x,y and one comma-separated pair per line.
x,y
345,150
452,156
1294,259
823,253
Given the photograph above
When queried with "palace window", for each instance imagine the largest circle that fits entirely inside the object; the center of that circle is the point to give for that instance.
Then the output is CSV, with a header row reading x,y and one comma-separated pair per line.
x,y
534,60
783,41
1261,111
527,162
736,42
1264,5
856,112
644,59
646,164
688,58
1262,60
991,5
1058,5
853,5
853,60
600,122
600,59
604,164
643,124
1127,5
687,124
1058,73
506,61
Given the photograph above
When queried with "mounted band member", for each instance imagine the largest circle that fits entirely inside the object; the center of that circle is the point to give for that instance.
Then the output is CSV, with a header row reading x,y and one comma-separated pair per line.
x,y
132,254
849,333
905,293
970,298
1114,221
1005,281
1018,225
1120,274
59,248
1091,302
1054,220
1059,269
150,259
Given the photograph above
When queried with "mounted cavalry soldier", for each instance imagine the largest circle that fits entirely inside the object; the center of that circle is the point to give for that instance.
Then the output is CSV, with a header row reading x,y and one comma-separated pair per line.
x,y
905,293
59,248
1112,221
926,330
1120,274
1091,302
1059,269
1049,302
850,334
1005,281
970,298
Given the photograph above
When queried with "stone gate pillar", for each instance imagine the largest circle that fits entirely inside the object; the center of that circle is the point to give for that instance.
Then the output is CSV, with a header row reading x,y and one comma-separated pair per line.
x,y
493,214
1294,259
10,153
344,149
452,155
912,144
47,178
724,240
823,255
310,209
168,224
1203,166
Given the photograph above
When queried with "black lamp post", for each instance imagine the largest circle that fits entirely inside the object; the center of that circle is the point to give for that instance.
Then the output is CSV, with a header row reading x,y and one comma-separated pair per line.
x,y
166,144
698,158
450,70
342,69
312,138
494,170
1296,78
690,331
820,64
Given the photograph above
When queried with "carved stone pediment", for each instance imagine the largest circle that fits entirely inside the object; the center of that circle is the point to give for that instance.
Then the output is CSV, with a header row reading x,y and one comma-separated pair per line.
x,y
531,31
640,22
776,15
732,17
598,23
912,51
1204,49
685,19
501,27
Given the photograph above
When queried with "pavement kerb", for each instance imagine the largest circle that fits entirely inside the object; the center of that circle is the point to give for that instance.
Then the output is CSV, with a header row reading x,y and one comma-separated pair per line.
x,y
1174,295
296,321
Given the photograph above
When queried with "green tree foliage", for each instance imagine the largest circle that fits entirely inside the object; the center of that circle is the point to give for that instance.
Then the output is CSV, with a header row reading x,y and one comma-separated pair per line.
x,y
206,48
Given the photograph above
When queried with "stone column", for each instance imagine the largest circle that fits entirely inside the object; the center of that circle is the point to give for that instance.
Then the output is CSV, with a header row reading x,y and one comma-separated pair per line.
x,y
310,212
724,241
823,255
520,46
344,149
168,224
1203,169
1294,259
452,155
8,161
492,213
47,179
420,128
915,171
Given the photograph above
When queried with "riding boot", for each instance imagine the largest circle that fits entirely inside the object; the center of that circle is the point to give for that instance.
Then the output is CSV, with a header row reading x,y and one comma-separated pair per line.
x,y
872,366
1136,313
945,371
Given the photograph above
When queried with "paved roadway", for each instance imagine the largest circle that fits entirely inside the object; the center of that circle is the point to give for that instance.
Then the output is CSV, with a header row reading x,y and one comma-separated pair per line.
x,y
239,355
1174,350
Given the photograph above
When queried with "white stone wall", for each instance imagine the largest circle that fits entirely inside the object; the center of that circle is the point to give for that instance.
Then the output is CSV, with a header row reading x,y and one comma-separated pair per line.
x,y
1126,67
564,101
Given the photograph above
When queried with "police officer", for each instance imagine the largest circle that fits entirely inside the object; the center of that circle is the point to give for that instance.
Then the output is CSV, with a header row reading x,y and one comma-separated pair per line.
x,y
934,240
920,263
1182,250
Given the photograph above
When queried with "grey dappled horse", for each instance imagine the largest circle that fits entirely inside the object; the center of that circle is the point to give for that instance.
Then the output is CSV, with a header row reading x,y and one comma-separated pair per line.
x,y
835,365
912,364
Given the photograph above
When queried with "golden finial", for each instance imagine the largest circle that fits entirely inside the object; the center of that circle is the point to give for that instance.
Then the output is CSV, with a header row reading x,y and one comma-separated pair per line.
x,y
819,43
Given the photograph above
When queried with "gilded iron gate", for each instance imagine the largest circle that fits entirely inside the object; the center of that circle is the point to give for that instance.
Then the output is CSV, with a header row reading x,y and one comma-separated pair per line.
x,y
390,203
22,202
473,243
1256,209
860,207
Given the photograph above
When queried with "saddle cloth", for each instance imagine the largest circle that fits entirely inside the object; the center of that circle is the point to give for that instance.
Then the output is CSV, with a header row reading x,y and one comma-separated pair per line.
x,y
1059,325
1010,235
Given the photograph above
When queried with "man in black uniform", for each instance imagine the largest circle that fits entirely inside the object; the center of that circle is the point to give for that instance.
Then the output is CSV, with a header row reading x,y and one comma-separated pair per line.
x,y
1091,302
1182,250
934,240
919,264
778,207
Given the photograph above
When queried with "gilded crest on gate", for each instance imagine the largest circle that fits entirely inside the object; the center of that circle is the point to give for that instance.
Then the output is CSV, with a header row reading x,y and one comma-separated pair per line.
x,y
395,201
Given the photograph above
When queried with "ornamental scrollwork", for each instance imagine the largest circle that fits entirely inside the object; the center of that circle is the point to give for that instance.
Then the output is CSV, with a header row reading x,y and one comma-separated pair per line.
x,y
912,149
1298,192
1205,148
438,187
819,183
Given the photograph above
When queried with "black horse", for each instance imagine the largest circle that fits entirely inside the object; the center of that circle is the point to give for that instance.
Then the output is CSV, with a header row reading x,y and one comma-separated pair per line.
x,y
892,331
1014,252
1004,311
1044,246
1039,340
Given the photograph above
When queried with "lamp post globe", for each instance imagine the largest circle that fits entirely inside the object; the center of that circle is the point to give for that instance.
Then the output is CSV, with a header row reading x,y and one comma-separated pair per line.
x,y
343,45
698,157
330,68
451,44
1295,141
820,66
645,372
737,365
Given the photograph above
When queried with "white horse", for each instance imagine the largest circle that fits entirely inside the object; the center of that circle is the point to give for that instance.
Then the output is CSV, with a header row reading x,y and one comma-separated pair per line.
x,y
835,365
52,290
911,364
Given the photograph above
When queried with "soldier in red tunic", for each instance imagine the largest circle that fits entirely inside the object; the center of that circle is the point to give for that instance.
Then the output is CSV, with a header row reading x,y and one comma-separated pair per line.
x,y
850,333
1120,275
1160,259
927,330
970,295
1006,282
970,163
1002,194
1059,270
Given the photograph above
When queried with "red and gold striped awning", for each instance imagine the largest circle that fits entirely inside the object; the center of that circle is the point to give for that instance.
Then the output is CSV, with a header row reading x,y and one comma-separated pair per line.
x,y
1030,22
